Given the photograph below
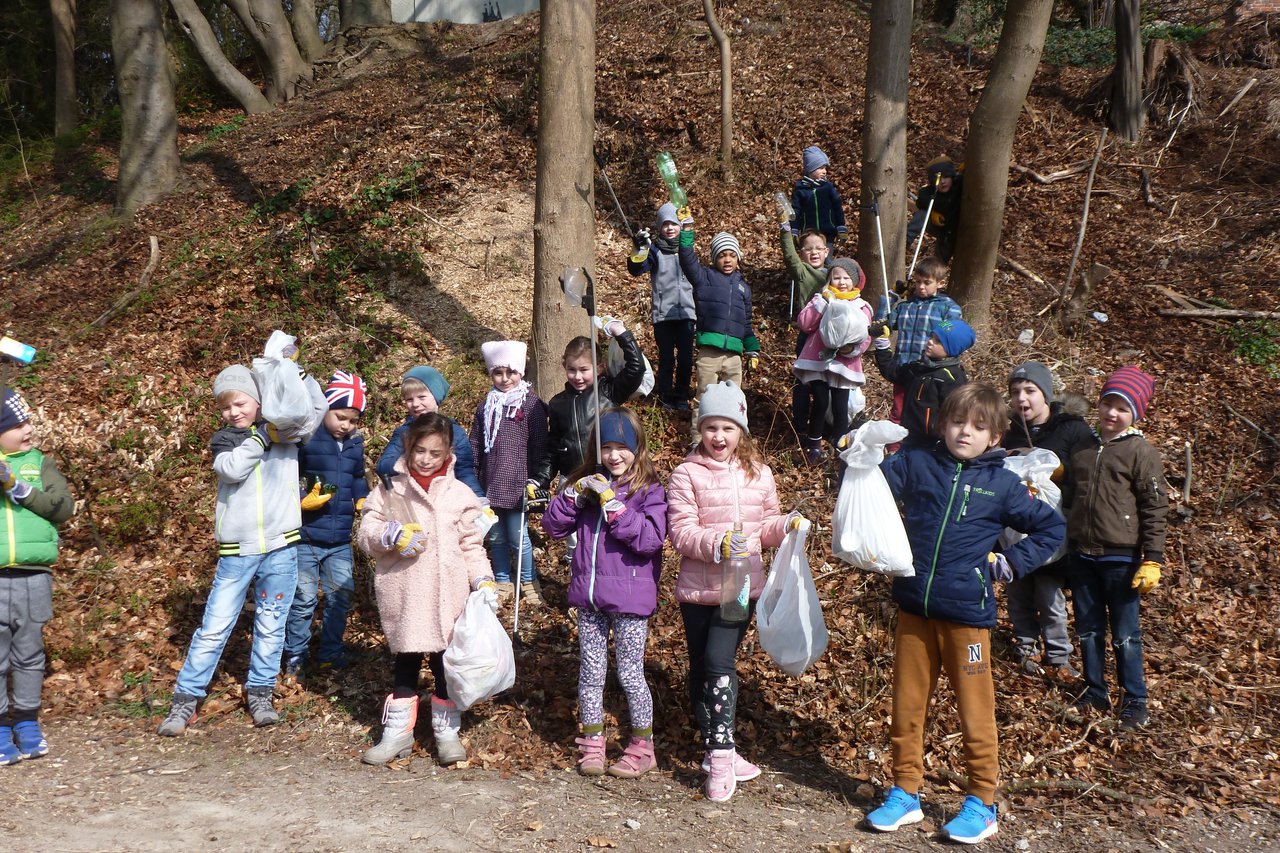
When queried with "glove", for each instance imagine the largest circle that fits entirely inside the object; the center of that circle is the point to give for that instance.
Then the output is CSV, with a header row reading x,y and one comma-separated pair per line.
x,y
489,594
612,509
596,485
844,441
486,520
290,352
881,343
733,543
535,494
1147,577
613,328
20,491
998,567
277,436
751,360
314,500
794,520
878,329
685,215
359,504
642,238
6,477
412,541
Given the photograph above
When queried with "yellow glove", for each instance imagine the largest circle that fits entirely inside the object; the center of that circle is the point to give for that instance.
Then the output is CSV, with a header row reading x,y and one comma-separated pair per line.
x,y
733,543
314,500
411,542
751,360
488,584
843,442
359,504
796,519
7,478
278,437
1147,577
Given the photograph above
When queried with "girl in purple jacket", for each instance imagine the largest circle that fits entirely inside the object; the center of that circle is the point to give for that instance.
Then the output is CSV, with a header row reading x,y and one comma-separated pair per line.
x,y
618,510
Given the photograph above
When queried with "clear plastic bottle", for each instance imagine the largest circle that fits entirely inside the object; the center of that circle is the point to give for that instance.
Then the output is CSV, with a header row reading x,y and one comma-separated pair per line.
x,y
641,252
785,211
735,590
16,350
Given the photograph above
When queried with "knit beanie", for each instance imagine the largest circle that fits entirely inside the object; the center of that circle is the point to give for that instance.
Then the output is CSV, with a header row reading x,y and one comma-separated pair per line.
x,y
724,400
1037,374
237,377
666,213
814,159
346,391
1133,386
614,426
725,242
13,409
956,336
432,378
941,167
508,354
850,266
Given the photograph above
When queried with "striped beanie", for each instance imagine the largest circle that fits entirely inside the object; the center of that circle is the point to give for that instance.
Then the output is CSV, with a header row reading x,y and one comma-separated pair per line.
x,y
1133,386
814,159
725,242
346,391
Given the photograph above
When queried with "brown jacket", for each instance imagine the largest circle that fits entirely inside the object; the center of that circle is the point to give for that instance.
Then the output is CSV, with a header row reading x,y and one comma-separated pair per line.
x,y
1116,500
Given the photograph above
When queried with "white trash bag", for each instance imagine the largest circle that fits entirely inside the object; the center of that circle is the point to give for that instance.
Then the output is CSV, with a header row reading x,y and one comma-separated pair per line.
x,y
868,532
479,662
1036,468
843,323
789,615
286,401
615,360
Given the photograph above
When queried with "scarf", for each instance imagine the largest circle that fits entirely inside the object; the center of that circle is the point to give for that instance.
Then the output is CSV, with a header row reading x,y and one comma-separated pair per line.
x,y
500,404
668,246
829,293
425,481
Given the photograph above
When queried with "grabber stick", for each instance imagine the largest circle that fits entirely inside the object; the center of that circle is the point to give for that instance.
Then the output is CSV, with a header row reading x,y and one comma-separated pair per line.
x,y
883,311
924,230
519,574
609,184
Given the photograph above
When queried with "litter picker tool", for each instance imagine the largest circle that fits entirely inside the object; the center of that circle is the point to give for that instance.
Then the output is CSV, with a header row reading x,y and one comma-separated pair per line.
x,y
883,311
928,214
601,159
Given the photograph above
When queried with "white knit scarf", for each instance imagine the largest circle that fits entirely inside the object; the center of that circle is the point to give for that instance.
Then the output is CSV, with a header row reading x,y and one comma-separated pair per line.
x,y
499,404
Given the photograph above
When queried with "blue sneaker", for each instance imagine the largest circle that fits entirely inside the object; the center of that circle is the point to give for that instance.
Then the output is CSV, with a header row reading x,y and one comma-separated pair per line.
x,y
9,753
31,742
899,809
976,821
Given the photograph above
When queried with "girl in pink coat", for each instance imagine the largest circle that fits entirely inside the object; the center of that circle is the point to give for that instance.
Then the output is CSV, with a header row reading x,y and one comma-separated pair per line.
x,y
722,483
428,555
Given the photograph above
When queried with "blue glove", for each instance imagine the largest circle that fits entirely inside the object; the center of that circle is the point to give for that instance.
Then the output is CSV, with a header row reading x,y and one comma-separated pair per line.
x,y
998,567
20,491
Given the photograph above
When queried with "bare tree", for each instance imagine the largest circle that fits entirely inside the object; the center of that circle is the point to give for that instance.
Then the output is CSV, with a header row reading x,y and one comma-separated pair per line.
x,y
991,131
726,87
306,29
1126,113
268,29
66,109
564,203
149,165
197,29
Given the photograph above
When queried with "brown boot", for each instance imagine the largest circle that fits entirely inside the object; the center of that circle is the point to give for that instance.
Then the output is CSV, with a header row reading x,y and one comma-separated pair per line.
x,y
531,594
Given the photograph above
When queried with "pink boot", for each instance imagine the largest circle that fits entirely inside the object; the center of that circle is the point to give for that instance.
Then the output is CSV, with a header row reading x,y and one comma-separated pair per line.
x,y
636,759
591,760
720,781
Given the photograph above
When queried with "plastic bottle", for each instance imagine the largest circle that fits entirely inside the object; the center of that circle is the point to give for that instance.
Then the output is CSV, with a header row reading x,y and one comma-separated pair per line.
x,y
667,171
735,591
641,252
17,350
785,211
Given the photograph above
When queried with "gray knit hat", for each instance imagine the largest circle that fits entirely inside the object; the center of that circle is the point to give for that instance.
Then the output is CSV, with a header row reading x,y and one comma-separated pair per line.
x,y
814,159
237,377
724,400
725,242
1035,373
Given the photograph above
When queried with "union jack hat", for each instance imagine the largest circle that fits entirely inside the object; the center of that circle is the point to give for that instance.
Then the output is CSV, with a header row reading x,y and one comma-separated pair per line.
x,y
13,409
346,391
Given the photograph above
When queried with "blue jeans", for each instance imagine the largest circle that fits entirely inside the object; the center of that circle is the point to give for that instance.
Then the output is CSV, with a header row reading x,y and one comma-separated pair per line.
x,y
274,577
502,544
1103,597
324,569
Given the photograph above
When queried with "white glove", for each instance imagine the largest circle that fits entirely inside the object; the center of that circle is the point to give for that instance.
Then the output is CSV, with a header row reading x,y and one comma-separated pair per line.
x,y
21,491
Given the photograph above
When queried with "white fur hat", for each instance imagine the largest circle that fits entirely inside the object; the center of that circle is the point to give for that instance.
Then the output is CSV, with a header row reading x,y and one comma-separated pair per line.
x,y
509,354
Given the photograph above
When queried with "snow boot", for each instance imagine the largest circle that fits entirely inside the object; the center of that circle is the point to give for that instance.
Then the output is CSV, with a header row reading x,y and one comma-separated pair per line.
x,y
260,708
9,753
446,722
591,758
398,719
637,759
182,712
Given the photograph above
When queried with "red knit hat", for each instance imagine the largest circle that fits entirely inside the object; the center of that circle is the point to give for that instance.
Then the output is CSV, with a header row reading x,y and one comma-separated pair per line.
x,y
1133,386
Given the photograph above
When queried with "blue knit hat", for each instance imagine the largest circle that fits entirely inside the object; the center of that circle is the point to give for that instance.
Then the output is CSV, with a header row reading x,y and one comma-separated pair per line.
x,y
814,159
13,409
615,426
956,336
432,378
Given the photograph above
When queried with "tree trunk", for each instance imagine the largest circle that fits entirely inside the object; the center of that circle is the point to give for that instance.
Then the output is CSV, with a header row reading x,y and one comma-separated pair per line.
x,y
306,30
884,145
149,165
1126,113
197,29
265,23
726,88
66,109
564,205
364,13
987,154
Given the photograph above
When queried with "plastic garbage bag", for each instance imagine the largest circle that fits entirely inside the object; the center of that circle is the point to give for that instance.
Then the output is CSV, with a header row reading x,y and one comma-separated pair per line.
x,y
843,324
867,530
479,662
1036,468
789,615
295,409
615,360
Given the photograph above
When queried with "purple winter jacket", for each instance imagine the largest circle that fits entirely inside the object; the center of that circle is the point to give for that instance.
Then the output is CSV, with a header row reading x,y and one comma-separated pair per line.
x,y
615,567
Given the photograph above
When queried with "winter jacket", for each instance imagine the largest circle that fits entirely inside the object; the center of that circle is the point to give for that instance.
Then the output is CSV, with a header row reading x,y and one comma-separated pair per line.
x,y
670,290
927,384
519,453
818,207
466,466
954,512
914,320
1062,433
843,371
28,529
704,499
1115,499
944,219
724,303
572,413
332,464
420,598
615,564
809,280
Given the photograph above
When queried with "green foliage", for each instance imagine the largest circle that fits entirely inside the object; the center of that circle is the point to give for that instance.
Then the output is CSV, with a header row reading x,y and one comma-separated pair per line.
x,y
1082,48
221,130
1258,343
387,189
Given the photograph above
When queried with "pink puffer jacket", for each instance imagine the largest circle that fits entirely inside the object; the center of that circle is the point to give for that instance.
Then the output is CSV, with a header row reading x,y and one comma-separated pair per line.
x,y
704,499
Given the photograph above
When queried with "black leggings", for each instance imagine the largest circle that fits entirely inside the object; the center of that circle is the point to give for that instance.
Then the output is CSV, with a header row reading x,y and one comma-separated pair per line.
x,y
407,667
837,400
713,670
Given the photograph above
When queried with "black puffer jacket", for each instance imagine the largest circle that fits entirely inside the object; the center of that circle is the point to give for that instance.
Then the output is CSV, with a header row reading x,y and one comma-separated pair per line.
x,y
1063,433
573,413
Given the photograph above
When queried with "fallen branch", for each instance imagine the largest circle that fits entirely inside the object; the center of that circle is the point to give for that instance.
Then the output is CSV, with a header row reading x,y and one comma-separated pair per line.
x,y
1244,90
1181,299
1186,483
129,298
1227,684
1259,430
1021,270
1219,314
1084,219
1052,177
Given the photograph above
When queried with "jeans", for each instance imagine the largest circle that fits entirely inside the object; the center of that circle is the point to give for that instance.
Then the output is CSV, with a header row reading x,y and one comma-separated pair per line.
x,y
274,577
1103,596
674,339
324,569
1037,606
510,530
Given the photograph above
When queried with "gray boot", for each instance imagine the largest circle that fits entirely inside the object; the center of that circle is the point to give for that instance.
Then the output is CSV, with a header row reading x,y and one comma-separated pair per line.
x,y
398,719
181,712
446,721
259,701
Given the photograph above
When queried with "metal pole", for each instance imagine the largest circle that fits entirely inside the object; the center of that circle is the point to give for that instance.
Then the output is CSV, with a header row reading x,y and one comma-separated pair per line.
x,y
925,229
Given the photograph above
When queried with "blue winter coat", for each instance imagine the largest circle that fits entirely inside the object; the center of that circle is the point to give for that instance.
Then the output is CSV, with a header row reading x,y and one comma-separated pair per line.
x,y
818,207
723,304
464,467
324,460
954,512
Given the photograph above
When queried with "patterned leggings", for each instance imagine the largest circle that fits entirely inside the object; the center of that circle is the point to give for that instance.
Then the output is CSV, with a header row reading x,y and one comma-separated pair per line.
x,y
629,636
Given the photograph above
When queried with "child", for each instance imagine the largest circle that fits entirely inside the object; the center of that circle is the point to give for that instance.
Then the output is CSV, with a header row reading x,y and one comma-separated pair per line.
x,y
830,375
721,501
723,297
944,189
572,412
816,200
34,500
1116,505
620,518
428,556
914,318
956,500
423,389
808,270
927,382
332,463
256,526
1037,606
673,311
509,440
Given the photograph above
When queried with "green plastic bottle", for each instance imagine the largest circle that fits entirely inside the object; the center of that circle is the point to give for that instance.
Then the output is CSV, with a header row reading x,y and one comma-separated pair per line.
x,y
667,171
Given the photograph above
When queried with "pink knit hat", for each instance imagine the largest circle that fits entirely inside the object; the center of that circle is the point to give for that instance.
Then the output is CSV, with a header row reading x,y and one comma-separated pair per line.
x,y
509,354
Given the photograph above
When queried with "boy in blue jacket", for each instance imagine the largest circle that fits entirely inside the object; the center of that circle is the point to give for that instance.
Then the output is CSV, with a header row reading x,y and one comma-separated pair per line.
x,y
956,499
725,335
332,468
423,389
816,200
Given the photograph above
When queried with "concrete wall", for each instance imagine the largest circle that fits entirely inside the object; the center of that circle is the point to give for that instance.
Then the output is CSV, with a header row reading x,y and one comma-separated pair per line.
x,y
458,11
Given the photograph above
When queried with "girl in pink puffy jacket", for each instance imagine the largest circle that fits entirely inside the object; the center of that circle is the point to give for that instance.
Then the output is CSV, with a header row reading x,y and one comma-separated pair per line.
x,y
722,483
